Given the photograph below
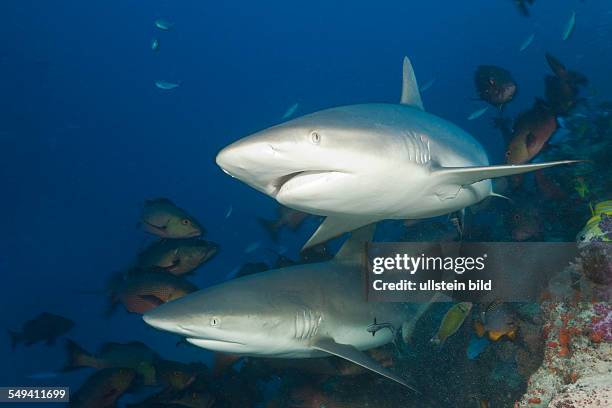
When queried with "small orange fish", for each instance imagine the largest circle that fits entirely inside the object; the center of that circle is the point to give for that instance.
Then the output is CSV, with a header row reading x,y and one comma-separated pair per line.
x,y
142,292
496,321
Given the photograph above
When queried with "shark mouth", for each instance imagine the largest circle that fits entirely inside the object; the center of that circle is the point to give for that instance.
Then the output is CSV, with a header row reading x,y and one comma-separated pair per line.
x,y
201,340
219,345
303,179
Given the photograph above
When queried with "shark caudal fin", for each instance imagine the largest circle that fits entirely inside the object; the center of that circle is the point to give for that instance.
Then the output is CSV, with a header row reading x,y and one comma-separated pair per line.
x,y
410,89
334,226
464,176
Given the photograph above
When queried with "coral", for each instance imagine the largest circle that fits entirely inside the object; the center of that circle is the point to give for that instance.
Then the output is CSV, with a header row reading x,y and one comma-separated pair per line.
x,y
601,327
593,391
576,371
605,225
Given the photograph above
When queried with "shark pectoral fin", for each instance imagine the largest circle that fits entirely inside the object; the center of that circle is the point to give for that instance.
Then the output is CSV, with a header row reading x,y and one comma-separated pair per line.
x,y
353,355
410,89
463,176
334,226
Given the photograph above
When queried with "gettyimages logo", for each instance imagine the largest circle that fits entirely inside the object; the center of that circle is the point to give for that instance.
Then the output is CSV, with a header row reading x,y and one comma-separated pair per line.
x,y
467,271
412,264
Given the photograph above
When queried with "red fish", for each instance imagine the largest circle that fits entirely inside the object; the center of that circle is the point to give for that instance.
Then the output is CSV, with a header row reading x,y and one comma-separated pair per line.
x,y
532,129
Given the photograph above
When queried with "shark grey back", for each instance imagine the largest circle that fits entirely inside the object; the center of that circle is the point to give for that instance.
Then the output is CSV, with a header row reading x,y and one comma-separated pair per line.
x,y
304,311
360,164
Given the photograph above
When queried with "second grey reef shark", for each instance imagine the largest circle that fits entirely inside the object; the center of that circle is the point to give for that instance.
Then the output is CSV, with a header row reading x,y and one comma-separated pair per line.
x,y
360,164
302,311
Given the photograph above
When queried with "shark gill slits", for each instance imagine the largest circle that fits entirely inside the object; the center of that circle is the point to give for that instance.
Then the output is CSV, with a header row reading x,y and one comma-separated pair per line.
x,y
306,324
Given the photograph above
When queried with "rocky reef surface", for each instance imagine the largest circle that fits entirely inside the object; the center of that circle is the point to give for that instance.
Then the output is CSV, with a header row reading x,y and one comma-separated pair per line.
x,y
577,367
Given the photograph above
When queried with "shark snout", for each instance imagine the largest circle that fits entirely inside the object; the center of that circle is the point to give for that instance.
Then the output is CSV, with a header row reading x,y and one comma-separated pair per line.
x,y
157,320
164,318
261,162
244,156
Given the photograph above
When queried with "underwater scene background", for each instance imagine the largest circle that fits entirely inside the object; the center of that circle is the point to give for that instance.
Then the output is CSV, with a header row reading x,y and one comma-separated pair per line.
x,y
109,106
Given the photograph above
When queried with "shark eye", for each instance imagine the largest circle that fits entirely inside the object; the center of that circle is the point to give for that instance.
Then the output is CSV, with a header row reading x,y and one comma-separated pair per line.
x,y
214,321
315,137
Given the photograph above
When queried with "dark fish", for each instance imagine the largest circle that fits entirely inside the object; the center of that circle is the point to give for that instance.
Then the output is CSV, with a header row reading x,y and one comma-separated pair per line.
x,y
523,6
222,362
494,85
574,77
142,292
562,88
561,95
287,217
548,187
524,221
317,253
135,355
163,218
103,388
45,327
532,129
177,256
175,375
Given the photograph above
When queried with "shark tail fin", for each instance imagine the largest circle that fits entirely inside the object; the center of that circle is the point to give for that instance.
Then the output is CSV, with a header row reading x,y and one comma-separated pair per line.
x,y
410,89
469,175
270,226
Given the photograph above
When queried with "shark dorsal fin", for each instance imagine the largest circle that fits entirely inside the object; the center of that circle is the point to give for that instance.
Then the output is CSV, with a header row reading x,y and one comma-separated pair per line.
x,y
410,90
353,249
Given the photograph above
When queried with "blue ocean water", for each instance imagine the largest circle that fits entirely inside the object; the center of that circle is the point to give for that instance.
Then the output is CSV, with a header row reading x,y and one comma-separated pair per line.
x,y
86,137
